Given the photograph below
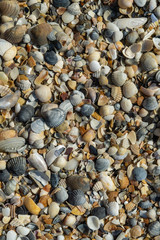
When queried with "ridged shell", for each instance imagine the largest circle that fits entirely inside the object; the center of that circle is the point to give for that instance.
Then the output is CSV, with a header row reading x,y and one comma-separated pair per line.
x,y
11,144
10,187
97,186
54,117
119,78
26,113
15,34
78,182
129,89
9,100
150,103
102,164
10,54
76,197
17,166
116,93
9,8
158,76
4,175
148,62
4,46
66,106
39,33
4,90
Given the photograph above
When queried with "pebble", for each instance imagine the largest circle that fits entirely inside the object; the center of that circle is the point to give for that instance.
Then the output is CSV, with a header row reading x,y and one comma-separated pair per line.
x,y
51,57
22,230
139,174
11,235
67,17
94,35
150,103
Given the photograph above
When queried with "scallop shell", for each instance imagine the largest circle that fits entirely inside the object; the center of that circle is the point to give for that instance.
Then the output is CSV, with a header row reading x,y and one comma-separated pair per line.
x,y
129,89
54,153
9,8
17,166
74,9
156,42
15,34
76,197
116,93
5,26
66,106
97,186
39,33
11,144
69,220
148,62
102,164
93,223
37,161
54,117
4,46
130,22
78,182
10,187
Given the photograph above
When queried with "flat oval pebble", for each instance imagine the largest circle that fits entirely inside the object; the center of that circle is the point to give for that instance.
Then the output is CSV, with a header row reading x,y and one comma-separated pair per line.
x,y
50,57
139,174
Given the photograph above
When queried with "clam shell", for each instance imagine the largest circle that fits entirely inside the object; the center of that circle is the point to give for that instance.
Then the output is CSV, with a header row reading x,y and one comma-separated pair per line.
x,y
40,178
148,62
78,182
26,113
10,187
102,164
93,223
10,54
53,209
38,126
61,195
39,33
125,4
130,22
54,117
37,161
158,76
98,186
113,209
15,34
76,97
150,103
66,106
9,8
74,9
17,166
11,144
54,153
129,89
119,78
116,93
69,220
106,110
4,175
107,182
126,104
4,46
147,45
76,197
156,42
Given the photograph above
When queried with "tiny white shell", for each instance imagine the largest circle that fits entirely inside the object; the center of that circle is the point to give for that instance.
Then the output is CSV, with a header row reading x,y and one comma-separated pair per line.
x,y
156,42
37,161
4,46
94,66
93,223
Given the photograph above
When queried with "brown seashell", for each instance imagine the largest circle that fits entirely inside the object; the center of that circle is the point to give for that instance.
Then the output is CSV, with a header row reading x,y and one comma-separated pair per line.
x,y
31,206
7,133
125,4
15,34
116,93
9,8
78,182
148,62
135,149
89,136
40,32
103,100
147,45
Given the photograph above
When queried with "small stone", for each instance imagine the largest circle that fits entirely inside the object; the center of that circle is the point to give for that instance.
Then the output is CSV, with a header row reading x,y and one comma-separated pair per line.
x,y
94,35
139,174
53,209
51,57
26,38
23,230
11,235
31,206
140,3
67,17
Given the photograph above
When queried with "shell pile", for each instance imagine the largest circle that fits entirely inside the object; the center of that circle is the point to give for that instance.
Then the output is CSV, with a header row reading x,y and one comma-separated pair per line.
x,y
79,119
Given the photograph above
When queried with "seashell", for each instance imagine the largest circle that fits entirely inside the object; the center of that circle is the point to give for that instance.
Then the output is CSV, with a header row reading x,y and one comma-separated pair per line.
x,y
74,9
10,54
130,22
106,110
113,209
38,126
9,8
117,36
67,17
11,144
132,137
125,4
150,103
126,104
40,178
7,133
148,91
132,37
95,56
4,90
119,78
89,136
158,76
61,195
71,165
53,209
95,124
154,228
69,220
102,164
129,89
4,46
39,33
33,137
135,47
76,197
156,42
31,206
112,51
87,110
127,52
126,11
148,62
37,161
26,113
24,190
54,153
94,66
61,3
66,106
5,26
139,174
60,162
147,45
17,166
10,187
97,186
76,97
116,93
54,180
63,128
15,34
22,230
78,182
140,3
51,57
107,182
152,5
4,175
157,12
54,117
43,93
103,80
93,223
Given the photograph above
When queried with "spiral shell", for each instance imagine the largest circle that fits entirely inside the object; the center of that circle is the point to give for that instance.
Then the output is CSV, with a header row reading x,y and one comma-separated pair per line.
x,y
9,8
78,182
15,34
17,166
11,144
39,33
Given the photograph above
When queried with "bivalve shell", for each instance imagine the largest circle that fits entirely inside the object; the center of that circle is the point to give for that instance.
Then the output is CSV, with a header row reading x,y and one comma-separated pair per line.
x,y
106,110
113,209
130,22
94,66
66,106
67,17
107,182
61,3
10,54
43,93
10,187
54,117
129,89
76,197
156,42
150,103
102,164
119,78
17,166
4,46
78,182
9,100
126,104
39,33
15,34
69,220
148,62
26,113
9,8
89,136
158,76
54,153
93,223
37,161
11,144
116,93
4,175
74,9
125,4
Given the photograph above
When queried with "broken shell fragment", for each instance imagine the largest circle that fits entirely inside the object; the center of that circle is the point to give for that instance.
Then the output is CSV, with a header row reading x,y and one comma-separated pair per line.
x,y
93,223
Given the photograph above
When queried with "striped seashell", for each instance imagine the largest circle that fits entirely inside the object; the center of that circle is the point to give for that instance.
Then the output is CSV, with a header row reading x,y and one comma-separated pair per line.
x,y
97,186
9,8
4,90
76,197
10,187
78,182
17,166
15,34
39,33
9,100
11,144
116,93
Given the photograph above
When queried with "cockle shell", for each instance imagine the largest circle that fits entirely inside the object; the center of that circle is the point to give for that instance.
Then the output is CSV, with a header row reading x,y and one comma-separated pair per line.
x,y
147,45
43,93
39,33
54,153
11,144
15,34
76,197
17,166
66,106
106,110
10,54
130,22
74,9
53,209
116,93
5,26
78,182
69,220
119,78
37,161
54,117
61,3
126,104
156,42
10,187
4,46
148,62
129,89
9,8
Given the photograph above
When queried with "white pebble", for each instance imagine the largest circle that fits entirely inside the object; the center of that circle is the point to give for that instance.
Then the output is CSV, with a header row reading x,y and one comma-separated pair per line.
x,y
126,104
152,214
67,17
26,38
6,212
11,235
22,230
113,209
94,66
60,237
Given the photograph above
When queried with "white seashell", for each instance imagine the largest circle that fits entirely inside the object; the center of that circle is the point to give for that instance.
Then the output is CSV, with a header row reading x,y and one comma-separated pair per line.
x,y
94,66
107,182
130,22
60,237
152,5
11,235
53,209
4,46
95,56
35,137
113,209
127,52
71,165
43,93
117,36
129,89
108,236
97,186
54,153
37,161
60,162
106,110
10,54
95,124
67,17
126,104
66,106
112,151
69,220
156,42
93,223
22,230
112,26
